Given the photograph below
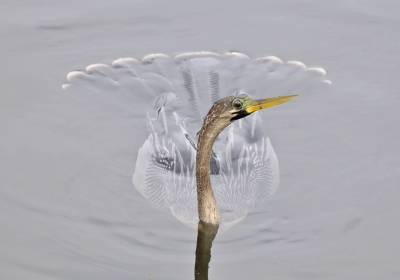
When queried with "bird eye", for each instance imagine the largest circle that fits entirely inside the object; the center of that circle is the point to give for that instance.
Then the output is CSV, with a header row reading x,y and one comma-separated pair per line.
x,y
237,104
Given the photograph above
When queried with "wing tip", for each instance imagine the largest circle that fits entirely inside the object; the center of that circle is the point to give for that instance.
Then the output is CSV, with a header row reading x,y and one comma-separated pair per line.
x,y
269,59
124,62
295,63
154,56
234,54
189,55
97,67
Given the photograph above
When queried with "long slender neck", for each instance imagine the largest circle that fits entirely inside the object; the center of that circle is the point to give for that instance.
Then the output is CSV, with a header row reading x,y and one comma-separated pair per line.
x,y
207,205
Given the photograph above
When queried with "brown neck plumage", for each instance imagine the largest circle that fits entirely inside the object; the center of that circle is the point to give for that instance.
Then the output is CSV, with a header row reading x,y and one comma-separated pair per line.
x,y
207,205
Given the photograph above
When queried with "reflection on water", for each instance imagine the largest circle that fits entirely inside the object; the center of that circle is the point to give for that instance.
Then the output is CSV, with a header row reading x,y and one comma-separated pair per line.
x,y
175,95
205,236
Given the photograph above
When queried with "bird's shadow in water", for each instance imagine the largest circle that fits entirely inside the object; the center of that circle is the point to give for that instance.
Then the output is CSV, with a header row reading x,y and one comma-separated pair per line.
x,y
205,237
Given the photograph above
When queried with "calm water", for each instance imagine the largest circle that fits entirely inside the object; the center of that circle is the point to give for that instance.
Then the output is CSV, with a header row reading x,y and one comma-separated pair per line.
x,y
69,209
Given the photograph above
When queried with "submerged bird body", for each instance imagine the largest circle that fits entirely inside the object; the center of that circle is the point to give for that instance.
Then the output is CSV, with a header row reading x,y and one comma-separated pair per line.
x,y
188,162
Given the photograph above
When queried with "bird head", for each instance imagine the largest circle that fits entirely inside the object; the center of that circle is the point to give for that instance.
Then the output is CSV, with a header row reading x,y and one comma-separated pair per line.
x,y
243,105
229,109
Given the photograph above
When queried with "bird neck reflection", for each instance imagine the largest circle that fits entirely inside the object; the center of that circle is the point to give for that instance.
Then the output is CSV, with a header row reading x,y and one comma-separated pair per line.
x,y
205,237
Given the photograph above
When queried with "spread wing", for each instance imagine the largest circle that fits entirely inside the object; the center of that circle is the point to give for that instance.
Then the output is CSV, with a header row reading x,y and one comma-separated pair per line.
x,y
175,95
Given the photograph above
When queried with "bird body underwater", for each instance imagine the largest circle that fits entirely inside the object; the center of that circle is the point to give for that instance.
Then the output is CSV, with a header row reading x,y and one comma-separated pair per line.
x,y
187,101
222,113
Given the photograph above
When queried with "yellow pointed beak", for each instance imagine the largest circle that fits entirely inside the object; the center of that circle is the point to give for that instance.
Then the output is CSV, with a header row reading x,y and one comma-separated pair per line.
x,y
255,105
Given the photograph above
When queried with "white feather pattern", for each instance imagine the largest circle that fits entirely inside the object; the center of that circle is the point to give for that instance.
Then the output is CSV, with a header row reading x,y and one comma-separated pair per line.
x,y
176,94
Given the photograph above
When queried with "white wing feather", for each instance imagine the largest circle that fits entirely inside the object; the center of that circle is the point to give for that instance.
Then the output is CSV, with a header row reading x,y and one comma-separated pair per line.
x,y
175,95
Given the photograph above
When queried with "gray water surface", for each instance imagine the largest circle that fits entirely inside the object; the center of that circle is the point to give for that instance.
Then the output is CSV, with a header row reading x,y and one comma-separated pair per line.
x,y
69,209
